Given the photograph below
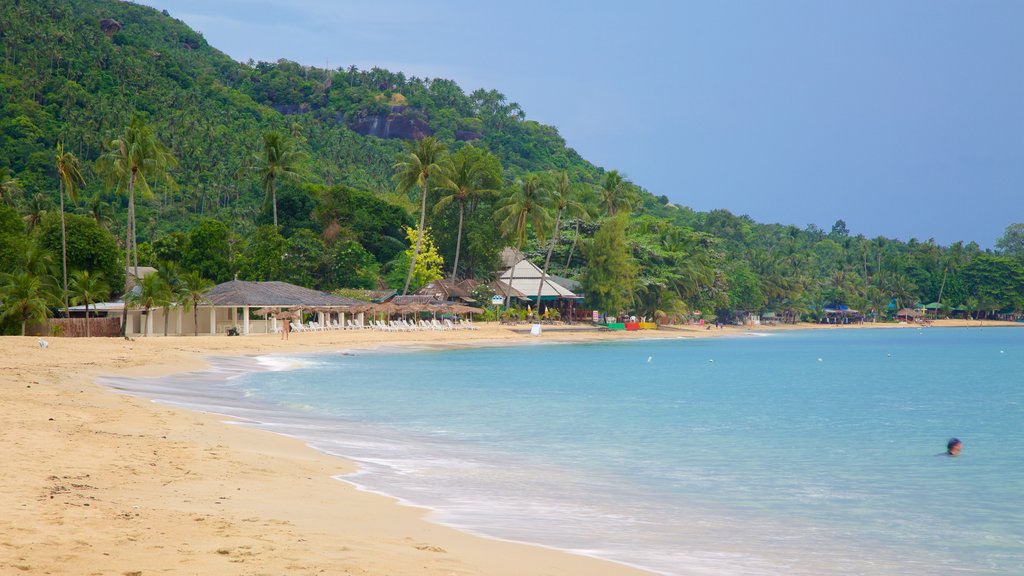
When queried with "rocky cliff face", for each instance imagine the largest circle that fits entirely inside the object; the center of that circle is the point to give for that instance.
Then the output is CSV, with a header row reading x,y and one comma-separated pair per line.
x,y
400,123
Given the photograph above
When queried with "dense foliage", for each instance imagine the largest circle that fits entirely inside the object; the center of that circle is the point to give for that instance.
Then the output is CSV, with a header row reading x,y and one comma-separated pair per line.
x,y
274,174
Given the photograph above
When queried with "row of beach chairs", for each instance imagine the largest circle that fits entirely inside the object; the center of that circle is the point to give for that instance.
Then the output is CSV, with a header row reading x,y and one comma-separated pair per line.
x,y
410,326
382,325
318,327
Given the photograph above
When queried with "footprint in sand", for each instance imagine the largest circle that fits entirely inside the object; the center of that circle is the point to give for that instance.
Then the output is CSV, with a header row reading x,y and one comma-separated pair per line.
x,y
429,548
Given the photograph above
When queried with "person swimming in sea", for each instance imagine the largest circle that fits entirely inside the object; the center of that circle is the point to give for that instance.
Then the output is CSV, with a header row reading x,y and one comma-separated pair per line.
x,y
953,447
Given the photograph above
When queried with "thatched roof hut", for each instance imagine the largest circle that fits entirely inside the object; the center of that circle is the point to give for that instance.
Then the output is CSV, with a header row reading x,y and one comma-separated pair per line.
x,y
274,294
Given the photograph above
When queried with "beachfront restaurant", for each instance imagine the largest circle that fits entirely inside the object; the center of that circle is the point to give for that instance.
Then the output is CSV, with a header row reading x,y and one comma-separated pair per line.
x,y
229,306
523,280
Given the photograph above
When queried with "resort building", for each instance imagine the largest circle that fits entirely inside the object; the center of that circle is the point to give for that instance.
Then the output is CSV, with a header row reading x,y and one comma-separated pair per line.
x,y
230,306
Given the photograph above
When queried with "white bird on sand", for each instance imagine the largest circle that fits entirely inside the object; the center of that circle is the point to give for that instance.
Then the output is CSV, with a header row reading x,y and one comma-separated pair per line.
x,y
43,344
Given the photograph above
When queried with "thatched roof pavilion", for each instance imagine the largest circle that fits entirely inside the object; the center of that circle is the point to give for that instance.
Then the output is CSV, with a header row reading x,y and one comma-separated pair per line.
x,y
274,294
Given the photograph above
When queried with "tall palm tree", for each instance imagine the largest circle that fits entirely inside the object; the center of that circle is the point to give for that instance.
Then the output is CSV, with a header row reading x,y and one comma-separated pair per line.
x,y
23,296
562,198
69,177
194,288
88,289
9,187
280,159
129,163
465,176
416,166
526,206
580,212
615,193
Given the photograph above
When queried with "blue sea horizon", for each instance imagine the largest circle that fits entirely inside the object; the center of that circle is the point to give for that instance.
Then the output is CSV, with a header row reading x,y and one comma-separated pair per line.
x,y
805,452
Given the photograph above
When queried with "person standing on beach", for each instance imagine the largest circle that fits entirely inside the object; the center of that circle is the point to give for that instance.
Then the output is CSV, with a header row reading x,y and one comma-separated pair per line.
x,y
285,329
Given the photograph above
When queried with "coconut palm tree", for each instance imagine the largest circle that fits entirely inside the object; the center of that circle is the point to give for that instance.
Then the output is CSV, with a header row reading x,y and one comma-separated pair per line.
x,y
153,292
170,274
88,289
580,212
524,207
23,296
279,159
562,198
129,163
615,194
416,166
465,176
194,288
38,206
9,187
69,178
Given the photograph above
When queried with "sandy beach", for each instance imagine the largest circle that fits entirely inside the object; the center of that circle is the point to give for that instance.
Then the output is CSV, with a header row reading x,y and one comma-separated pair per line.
x,y
96,482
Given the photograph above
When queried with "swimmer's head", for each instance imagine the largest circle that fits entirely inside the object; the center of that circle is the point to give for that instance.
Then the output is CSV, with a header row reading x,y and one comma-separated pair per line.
x,y
954,446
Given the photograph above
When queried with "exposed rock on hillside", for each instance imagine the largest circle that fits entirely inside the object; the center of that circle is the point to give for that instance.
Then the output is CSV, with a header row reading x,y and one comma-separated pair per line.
x,y
402,122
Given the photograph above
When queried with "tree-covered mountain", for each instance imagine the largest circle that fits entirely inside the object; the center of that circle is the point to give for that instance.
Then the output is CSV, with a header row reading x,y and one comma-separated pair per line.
x,y
82,72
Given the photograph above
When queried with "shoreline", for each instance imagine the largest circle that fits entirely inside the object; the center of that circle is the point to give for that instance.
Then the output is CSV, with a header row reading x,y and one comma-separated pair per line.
x,y
124,484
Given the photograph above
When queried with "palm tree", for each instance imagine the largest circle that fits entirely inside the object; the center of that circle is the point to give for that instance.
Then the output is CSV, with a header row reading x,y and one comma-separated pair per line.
x,y
615,193
280,159
88,289
37,209
129,163
153,292
194,288
9,187
69,177
580,212
467,175
562,198
170,273
24,297
421,161
525,206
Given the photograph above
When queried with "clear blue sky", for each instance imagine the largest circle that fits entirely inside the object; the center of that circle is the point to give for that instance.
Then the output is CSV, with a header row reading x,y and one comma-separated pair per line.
x,y
905,119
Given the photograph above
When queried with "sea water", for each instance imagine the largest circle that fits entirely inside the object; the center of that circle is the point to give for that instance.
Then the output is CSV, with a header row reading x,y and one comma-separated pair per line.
x,y
806,452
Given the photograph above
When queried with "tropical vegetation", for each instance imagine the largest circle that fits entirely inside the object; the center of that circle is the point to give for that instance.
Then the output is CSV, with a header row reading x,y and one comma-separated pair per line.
x,y
172,155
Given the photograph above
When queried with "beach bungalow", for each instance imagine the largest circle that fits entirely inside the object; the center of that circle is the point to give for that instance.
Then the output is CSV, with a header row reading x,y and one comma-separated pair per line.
x,y
909,315
228,306
525,277
447,291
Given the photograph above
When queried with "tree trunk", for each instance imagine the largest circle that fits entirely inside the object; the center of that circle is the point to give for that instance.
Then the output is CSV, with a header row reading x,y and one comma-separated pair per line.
x,y
458,242
128,253
551,248
574,241
195,318
87,333
511,279
64,246
419,238
273,197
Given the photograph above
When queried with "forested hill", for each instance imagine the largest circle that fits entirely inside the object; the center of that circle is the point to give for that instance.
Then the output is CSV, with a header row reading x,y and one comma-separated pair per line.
x,y
83,72
68,76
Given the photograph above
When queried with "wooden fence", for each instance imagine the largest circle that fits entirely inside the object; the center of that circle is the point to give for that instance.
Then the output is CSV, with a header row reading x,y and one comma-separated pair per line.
x,y
75,327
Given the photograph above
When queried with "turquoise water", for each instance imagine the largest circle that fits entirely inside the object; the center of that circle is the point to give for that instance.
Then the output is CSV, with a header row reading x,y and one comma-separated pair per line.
x,y
812,452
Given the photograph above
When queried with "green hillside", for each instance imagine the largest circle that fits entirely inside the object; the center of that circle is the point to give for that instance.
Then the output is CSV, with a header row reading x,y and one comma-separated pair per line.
x,y
80,71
